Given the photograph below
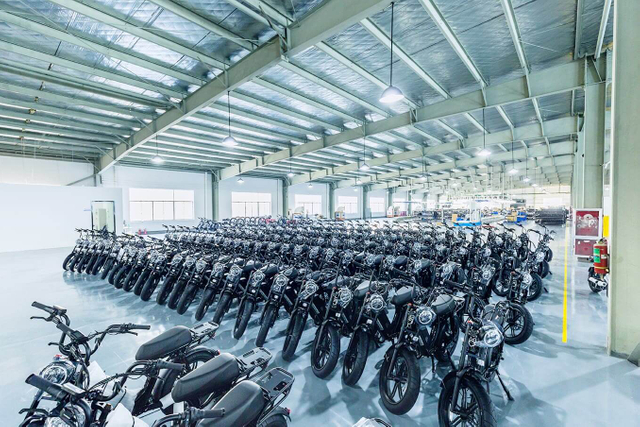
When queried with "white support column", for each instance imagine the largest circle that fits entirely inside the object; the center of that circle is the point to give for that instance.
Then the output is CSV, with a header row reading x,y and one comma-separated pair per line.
x,y
594,116
577,186
624,292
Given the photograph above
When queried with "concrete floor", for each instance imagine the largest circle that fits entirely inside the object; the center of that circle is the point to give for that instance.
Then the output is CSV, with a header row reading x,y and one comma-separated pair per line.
x,y
554,383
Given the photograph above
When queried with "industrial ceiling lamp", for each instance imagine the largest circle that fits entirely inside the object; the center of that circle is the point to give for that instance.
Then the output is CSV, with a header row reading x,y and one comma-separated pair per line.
x,y
364,166
290,174
229,141
513,170
157,159
240,180
391,94
484,152
526,170
310,185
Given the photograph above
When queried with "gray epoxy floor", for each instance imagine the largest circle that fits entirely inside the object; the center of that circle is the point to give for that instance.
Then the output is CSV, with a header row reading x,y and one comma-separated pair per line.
x,y
554,383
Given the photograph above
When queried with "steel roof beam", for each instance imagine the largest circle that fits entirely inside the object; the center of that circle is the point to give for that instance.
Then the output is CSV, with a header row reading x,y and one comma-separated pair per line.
x,y
578,29
26,134
603,27
109,52
329,18
553,80
21,124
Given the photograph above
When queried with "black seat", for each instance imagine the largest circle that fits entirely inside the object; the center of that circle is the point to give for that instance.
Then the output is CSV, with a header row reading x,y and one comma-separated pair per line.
x,y
402,297
291,273
251,265
165,343
216,375
242,405
443,305
377,260
271,270
361,290
400,261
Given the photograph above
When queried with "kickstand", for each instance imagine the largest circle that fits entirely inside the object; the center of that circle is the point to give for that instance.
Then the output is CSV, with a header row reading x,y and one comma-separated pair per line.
x,y
433,366
545,289
504,387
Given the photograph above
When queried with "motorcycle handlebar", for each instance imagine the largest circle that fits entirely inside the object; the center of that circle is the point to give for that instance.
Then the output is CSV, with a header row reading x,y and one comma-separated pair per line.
x,y
162,364
201,414
55,310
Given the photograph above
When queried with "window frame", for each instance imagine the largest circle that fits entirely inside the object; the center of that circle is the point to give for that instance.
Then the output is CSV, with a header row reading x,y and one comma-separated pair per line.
x,y
154,205
350,207
251,204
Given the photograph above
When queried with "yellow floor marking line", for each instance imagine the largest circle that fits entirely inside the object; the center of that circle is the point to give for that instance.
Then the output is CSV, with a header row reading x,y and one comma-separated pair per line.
x,y
564,306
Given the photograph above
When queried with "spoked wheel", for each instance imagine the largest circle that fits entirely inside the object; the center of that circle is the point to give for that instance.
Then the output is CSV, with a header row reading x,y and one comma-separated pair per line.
x,y
501,287
325,351
400,383
518,325
473,406
356,358
65,263
535,289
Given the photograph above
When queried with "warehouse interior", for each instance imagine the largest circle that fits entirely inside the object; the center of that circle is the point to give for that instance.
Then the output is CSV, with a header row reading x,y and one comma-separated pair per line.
x,y
159,119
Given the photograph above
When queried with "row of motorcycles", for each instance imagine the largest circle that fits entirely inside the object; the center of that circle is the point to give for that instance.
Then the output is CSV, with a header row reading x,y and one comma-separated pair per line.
x,y
417,287
185,382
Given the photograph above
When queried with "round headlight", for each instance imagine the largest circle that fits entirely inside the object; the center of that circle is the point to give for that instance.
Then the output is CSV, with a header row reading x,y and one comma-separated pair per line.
x,y
280,282
526,280
376,303
71,412
370,260
200,265
417,265
491,335
57,373
462,251
540,256
498,240
447,269
344,296
218,267
258,277
329,254
487,273
309,289
297,250
235,271
486,252
189,261
519,243
176,259
161,258
425,316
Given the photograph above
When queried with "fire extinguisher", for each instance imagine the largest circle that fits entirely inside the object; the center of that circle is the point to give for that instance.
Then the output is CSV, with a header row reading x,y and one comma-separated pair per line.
x,y
601,257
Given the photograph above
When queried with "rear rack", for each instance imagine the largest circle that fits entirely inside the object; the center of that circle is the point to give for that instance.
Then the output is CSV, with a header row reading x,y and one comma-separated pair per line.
x,y
259,357
204,332
276,386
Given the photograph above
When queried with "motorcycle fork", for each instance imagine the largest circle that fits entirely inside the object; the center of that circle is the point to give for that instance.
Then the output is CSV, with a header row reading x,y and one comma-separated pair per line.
x,y
396,346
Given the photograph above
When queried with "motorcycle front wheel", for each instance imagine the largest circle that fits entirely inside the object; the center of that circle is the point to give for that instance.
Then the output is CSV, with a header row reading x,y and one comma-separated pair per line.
x,y
142,279
518,325
149,287
267,321
535,290
177,291
165,289
242,319
400,383
65,263
187,298
292,338
325,351
205,303
221,309
473,406
130,280
118,281
356,358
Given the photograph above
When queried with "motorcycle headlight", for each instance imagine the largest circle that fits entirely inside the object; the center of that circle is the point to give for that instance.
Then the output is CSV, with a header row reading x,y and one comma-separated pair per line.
x,y
491,335
526,279
486,252
309,289
57,372
297,250
487,272
376,303
280,283
235,271
189,261
347,258
540,256
161,258
519,243
417,265
218,267
462,251
447,269
79,241
258,277
344,296
176,259
329,254
425,316
71,412
370,260
200,265
498,240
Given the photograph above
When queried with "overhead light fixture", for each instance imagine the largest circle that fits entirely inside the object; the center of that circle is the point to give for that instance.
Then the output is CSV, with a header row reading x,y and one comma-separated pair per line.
x,y
355,189
513,171
484,153
290,174
391,94
157,160
534,185
310,185
229,141
364,167
240,180
526,179
359,181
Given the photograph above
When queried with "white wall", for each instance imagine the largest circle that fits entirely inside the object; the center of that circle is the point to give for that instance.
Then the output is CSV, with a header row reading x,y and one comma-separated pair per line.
x,y
250,185
125,177
379,194
42,217
24,170
318,189
349,192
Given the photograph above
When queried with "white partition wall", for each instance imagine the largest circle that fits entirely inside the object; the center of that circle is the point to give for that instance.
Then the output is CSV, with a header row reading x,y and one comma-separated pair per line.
x,y
262,187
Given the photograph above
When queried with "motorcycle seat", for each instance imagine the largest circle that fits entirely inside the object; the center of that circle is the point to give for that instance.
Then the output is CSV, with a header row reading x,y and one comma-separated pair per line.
x,y
251,265
242,406
443,305
402,297
271,270
165,343
216,375
400,261
361,290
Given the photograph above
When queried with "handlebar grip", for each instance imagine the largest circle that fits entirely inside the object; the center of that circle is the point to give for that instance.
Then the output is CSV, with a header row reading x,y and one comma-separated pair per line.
x,y
41,306
162,364
201,414
136,326
45,385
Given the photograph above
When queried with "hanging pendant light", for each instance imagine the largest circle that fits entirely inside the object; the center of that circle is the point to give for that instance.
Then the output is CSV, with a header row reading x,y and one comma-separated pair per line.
x,y
484,152
240,180
229,141
359,181
310,185
391,94
157,159
526,170
364,166
513,170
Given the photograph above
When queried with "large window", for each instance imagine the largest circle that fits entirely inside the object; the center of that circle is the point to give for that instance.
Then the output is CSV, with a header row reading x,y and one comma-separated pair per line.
x,y
244,204
400,203
312,203
154,204
350,204
376,204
